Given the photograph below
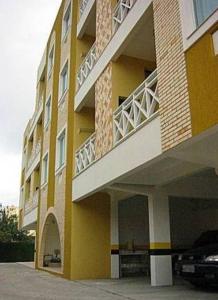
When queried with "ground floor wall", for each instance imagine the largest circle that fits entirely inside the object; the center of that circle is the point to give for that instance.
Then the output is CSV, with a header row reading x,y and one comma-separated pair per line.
x,y
90,257
98,238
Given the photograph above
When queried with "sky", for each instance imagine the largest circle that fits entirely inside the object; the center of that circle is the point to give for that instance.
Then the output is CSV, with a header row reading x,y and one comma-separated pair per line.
x,y
24,30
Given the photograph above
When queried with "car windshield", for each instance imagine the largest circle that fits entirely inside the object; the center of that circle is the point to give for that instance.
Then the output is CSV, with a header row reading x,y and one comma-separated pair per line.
x,y
207,238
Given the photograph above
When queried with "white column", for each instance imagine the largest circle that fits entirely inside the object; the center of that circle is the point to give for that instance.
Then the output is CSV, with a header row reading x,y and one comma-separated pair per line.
x,y
160,243
114,239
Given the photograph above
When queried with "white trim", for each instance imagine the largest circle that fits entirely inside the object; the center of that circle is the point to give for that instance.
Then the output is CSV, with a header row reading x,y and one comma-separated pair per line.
x,y
191,33
58,168
43,181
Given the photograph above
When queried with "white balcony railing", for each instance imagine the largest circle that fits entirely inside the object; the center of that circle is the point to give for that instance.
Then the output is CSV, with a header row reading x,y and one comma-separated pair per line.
x,y
141,105
85,155
120,12
34,154
86,66
31,204
83,4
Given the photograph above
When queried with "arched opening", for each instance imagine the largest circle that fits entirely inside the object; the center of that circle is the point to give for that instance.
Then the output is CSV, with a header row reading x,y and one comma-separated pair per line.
x,y
51,256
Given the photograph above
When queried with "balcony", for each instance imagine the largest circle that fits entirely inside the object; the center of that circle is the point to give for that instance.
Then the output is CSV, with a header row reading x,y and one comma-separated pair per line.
x,y
36,150
30,212
138,108
86,66
38,108
136,134
133,35
83,4
31,204
85,155
36,116
86,24
120,12
34,159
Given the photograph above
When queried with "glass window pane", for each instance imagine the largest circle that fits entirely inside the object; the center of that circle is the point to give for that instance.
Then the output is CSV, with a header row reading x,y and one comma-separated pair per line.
x,y
61,142
203,9
64,79
47,111
45,169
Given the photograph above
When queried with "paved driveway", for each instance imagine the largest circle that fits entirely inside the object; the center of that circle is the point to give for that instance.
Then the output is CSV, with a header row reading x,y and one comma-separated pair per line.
x,y
21,282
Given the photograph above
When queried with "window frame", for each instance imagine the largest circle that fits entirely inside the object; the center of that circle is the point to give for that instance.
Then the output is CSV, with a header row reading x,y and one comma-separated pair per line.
x,y
66,25
64,70
47,117
199,22
44,179
190,31
61,164
50,62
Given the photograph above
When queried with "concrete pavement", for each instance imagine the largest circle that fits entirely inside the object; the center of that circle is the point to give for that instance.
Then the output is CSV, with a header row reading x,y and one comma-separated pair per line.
x,y
20,282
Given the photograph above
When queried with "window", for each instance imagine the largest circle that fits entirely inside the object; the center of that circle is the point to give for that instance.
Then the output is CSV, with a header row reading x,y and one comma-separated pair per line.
x,y
50,61
61,150
64,80
66,22
47,111
203,9
45,169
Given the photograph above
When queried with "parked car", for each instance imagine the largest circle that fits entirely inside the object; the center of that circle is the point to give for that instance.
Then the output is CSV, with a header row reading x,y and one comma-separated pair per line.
x,y
199,265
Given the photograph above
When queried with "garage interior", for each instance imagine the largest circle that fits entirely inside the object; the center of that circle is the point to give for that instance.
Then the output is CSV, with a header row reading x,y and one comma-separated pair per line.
x,y
189,217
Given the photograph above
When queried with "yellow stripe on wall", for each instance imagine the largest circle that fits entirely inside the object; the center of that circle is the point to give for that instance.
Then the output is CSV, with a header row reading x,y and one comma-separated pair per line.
x,y
160,246
114,247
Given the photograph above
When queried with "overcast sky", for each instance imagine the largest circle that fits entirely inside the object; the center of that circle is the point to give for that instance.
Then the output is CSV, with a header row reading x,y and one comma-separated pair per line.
x,y
24,29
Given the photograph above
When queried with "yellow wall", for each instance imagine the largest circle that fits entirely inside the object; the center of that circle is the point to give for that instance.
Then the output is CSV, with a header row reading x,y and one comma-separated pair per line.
x,y
202,72
53,129
91,238
127,75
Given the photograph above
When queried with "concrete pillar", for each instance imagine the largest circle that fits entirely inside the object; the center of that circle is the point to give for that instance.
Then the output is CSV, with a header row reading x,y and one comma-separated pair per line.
x,y
114,239
160,243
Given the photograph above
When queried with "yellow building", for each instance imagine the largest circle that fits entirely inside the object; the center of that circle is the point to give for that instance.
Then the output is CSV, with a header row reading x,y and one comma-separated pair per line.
x,y
120,157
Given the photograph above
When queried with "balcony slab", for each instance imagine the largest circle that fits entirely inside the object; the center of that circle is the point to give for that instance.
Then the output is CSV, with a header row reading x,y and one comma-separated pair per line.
x,y
142,146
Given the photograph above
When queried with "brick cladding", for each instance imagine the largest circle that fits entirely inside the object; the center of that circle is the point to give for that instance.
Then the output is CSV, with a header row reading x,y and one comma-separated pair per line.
x,y
103,86
103,24
172,80
103,115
